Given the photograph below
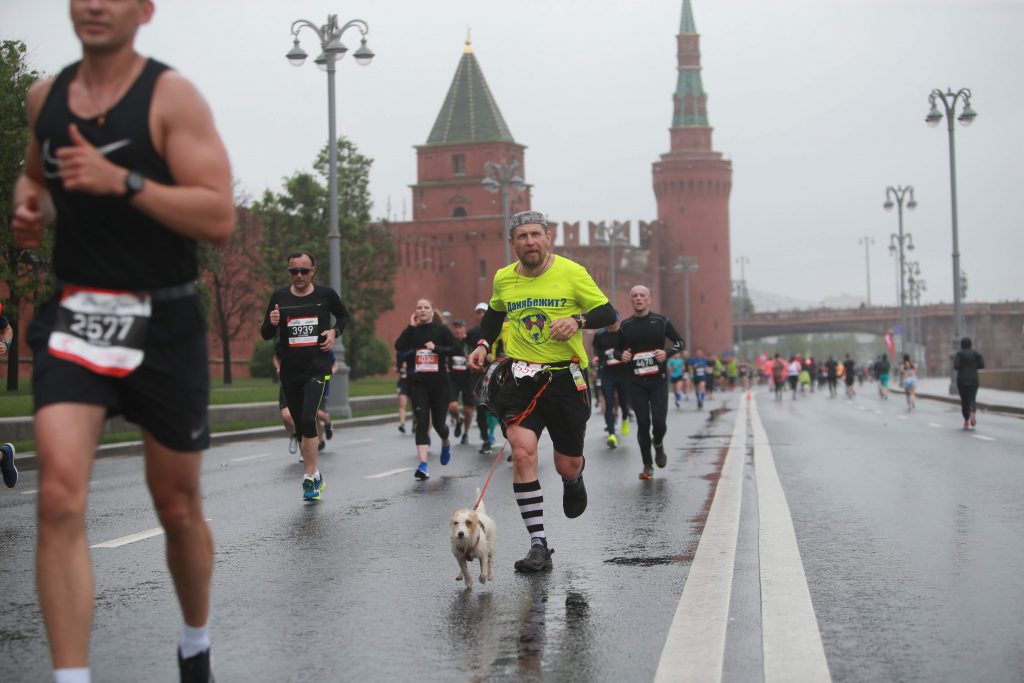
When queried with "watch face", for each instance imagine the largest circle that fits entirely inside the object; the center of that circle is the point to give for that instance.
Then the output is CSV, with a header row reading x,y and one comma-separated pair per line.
x,y
133,181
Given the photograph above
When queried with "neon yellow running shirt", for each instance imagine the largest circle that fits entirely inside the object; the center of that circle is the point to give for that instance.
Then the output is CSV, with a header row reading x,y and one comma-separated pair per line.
x,y
533,303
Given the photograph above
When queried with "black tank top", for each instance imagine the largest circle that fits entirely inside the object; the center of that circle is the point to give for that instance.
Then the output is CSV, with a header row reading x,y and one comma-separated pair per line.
x,y
102,241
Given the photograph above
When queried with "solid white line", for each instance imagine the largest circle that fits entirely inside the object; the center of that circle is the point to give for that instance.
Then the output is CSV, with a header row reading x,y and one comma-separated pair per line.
x,y
388,473
933,424
132,538
791,640
251,457
355,441
695,647
983,438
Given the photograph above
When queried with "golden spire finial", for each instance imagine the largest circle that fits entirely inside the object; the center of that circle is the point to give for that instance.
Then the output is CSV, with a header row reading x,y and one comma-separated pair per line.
x,y
469,43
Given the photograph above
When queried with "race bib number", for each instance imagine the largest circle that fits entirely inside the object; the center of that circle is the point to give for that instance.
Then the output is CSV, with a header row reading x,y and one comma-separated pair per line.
x,y
521,369
100,329
645,363
699,371
426,360
303,331
610,359
458,363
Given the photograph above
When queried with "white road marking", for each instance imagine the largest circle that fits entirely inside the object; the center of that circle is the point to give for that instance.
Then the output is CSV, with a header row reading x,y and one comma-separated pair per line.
x,y
983,438
349,443
902,417
252,457
933,424
132,538
790,637
695,647
388,473
29,492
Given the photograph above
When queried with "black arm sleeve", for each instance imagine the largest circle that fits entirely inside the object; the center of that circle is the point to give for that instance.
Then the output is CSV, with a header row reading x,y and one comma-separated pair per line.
x,y
490,326
678,343
405,342
267,331
602,316
341,315
449,346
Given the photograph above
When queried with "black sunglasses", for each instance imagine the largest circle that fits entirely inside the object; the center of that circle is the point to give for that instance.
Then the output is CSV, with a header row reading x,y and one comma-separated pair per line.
x,y
299,271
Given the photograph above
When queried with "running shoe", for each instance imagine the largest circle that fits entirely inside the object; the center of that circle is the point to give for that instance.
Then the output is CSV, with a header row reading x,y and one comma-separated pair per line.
x,y
465,439
574,495
312,488
401,427
328,429
446,453
625,426
195,669
648,472
322,445
458,427
538,559
612,441
485,448
421,471
967,424
7,465
293,445
974,423
677,404
660,459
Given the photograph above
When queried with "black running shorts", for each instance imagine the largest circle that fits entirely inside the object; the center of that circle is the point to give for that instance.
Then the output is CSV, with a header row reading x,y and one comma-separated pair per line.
x,y
304,398
562,409
167,395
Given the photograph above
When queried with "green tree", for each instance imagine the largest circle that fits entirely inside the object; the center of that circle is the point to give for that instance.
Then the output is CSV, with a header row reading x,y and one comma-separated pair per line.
x,y
297,218
24,275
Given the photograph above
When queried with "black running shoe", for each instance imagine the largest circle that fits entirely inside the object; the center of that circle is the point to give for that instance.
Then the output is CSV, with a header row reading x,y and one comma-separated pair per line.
x,y
537,560
574,495
10,472
465,439
660,459
195,669
328,430
458,428
322,445
401,427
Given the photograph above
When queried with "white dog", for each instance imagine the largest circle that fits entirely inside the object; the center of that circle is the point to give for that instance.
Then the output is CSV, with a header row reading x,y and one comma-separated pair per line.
x,y
473,537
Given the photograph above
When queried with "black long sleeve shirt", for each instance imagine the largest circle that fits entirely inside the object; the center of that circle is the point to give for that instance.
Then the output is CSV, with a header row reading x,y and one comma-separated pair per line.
x,y
304,320
643,335
429,365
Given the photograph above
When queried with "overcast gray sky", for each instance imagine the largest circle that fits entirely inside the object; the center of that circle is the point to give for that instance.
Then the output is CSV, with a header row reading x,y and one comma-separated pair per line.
x,y
820,104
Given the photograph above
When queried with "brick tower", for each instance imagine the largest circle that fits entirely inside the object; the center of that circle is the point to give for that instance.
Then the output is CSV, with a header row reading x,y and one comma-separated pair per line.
x,y
692,184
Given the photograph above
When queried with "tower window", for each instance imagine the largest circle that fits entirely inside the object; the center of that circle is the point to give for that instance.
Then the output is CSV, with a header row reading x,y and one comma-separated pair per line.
x,y
458,212
459,164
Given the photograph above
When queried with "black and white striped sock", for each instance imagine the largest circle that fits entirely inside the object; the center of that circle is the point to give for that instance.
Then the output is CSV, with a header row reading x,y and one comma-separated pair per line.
x,y
531,506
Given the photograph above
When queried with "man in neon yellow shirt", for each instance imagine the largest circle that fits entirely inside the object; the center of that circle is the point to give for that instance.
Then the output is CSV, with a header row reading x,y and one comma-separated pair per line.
x,y
548,300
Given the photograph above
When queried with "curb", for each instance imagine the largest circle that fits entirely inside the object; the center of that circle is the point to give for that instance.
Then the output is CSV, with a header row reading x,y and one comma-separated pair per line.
x,y
955,400
29,461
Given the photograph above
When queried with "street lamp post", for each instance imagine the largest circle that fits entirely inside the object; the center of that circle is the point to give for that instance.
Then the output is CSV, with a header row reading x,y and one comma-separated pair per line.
x,y
916,285
867,241
618,233
499,178
900,193
967,116
742,261
686,265
333,50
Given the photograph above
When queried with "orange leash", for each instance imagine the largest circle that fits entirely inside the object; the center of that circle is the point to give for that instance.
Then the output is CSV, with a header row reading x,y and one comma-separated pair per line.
x,y
514,422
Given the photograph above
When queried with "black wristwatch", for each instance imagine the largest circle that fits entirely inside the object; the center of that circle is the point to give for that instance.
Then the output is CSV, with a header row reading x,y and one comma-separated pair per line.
x,y
133,183
580,319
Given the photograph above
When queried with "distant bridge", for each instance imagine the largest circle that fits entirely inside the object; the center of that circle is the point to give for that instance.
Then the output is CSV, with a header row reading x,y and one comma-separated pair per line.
x,y
997,329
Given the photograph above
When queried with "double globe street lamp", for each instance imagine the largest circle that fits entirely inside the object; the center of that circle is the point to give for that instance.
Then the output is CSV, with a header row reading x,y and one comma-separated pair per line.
x,y
499,178
901,241
967,115
332,50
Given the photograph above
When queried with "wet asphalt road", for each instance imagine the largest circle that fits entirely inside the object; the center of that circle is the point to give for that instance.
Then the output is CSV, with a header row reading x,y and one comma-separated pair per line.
x,y
910,534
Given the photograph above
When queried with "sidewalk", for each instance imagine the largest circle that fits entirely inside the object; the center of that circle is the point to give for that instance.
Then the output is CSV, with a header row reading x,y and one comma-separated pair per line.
x,y
995,400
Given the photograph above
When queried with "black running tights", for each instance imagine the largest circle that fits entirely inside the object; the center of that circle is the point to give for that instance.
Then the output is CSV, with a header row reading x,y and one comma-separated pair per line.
x,y
649,401
430,404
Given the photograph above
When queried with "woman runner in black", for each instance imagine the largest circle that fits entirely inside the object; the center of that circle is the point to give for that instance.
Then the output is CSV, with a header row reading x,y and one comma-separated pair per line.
x,y
643,346
431,342
967,362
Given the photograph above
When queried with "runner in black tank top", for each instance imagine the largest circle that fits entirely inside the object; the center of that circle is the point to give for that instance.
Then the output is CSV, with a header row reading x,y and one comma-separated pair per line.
x,y
123,154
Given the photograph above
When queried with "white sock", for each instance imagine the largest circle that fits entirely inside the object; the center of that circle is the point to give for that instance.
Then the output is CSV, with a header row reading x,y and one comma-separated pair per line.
x,y
315,475
194,640
80,675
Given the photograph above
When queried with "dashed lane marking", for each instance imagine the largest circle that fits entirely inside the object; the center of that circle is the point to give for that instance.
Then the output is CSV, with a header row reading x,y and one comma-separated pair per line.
x,y
389,473
355,441
902,417
933,424
132,538
983,438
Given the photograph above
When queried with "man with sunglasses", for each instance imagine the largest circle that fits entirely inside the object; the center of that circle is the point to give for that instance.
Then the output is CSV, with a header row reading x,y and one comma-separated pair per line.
x,y
300,314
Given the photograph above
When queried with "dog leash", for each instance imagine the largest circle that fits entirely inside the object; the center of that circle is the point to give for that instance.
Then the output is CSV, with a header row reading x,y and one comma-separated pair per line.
x,y
514,422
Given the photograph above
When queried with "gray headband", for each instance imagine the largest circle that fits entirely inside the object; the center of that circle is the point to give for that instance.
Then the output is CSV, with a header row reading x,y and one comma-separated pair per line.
x,y
524,217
